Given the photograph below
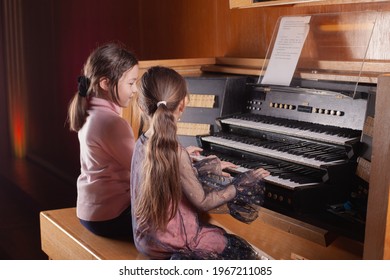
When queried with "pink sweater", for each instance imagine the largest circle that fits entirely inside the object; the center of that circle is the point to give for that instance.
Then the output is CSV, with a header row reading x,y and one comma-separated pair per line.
x,y
106,148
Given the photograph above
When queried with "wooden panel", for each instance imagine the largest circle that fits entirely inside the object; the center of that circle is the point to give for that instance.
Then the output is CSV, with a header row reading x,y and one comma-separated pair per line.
x,y
251,4
281,243
202,100
250,30
377,241
193,129
326,70
239,3
340,2
386,254
183,66
363,169
296,227
181,29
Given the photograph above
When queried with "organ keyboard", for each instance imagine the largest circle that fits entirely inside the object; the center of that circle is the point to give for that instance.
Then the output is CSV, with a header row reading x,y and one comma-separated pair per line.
x,y
309,140
300,152
327,133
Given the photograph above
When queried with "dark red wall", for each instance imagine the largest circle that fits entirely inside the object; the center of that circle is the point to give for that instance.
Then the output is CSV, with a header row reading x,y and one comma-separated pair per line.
x,y
4,134
58,37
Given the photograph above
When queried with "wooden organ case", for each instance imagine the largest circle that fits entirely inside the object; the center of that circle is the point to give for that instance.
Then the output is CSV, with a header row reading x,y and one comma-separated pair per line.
x,y
315,135
308,134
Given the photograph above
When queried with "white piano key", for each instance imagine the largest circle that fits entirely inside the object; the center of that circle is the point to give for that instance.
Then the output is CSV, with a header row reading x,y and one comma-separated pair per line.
x,y
334,139
286,183
269,152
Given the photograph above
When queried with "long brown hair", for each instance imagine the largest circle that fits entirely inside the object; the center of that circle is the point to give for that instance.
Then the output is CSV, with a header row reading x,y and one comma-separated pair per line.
x,y
109,61
160,190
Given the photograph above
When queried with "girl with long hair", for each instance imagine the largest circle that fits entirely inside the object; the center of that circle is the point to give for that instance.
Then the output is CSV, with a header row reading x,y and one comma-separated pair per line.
x,y
166,191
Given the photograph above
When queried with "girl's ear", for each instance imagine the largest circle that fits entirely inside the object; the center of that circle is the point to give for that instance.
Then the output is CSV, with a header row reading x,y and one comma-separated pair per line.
x,y
103,83
182,105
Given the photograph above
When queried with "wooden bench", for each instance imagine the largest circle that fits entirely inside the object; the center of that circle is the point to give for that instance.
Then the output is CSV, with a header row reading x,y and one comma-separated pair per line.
x,y
64,238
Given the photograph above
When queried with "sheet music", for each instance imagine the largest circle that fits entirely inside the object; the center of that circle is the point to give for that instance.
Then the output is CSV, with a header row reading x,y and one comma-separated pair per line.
x,y
287,49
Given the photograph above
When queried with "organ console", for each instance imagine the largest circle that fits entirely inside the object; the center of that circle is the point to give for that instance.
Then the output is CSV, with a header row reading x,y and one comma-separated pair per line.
x,y
314,136
308,139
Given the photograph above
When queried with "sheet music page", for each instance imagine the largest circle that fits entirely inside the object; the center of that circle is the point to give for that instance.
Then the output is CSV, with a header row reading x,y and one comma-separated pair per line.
x,y
287,49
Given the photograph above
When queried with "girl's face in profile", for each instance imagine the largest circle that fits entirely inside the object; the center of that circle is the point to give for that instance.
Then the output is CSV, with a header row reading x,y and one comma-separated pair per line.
x,y
127,86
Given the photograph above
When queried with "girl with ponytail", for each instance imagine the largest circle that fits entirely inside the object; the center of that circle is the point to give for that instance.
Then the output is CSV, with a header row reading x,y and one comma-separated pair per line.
x,y
106,85
166,192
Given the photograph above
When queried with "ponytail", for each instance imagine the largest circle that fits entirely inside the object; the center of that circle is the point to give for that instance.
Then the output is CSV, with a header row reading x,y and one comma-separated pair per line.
x,y
162,90
77,111
161,180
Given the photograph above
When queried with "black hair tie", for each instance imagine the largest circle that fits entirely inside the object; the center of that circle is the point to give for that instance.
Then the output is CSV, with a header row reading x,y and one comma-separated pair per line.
x,y
83,85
